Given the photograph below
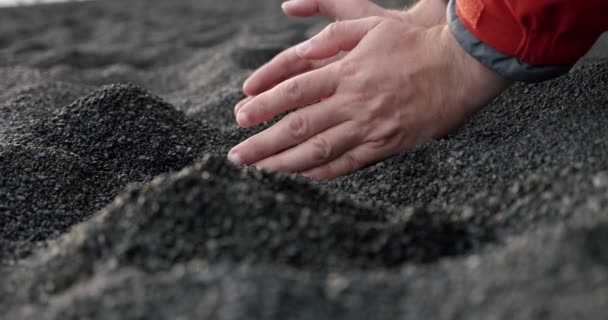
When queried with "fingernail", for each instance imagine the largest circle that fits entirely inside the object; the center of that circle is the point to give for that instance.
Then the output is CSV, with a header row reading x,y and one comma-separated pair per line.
x,y
238,106
233,156
242,118
288,4
246,86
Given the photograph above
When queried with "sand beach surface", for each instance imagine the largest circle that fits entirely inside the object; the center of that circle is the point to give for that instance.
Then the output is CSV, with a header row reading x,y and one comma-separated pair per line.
x,y
117,202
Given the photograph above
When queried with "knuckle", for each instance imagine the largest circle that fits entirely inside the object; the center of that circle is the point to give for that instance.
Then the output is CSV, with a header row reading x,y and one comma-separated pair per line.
x,y
293,90
261,104
393,127
322,150
351,163
333,29
383,138
364,99
347,69
380,144
297,126
367,115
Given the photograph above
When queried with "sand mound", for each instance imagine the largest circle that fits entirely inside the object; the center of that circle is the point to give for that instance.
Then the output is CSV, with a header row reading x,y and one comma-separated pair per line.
x,y
127,262
125,129
223,213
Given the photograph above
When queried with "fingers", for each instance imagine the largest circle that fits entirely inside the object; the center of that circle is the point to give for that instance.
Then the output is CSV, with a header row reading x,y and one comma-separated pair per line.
x,y
292,130
338,36
316,151
296,92
284,66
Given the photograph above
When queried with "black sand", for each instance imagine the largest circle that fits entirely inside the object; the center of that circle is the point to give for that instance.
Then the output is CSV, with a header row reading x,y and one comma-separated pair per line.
x,y
116,201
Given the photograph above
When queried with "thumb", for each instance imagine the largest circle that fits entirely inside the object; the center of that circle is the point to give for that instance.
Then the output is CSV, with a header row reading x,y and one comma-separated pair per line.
x,y
301,8
336,37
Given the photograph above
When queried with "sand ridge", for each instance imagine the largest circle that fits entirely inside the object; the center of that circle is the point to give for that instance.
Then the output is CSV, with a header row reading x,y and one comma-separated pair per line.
x,y
117,202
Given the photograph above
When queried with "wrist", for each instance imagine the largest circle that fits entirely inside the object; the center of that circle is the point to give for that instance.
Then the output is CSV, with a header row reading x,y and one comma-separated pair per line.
x,y
471,73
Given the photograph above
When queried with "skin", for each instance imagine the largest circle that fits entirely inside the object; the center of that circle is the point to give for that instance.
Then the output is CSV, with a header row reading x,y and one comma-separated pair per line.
x,y
373,84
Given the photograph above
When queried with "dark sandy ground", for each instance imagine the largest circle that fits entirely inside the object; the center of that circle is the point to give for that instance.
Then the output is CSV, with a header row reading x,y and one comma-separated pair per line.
x,y
116,201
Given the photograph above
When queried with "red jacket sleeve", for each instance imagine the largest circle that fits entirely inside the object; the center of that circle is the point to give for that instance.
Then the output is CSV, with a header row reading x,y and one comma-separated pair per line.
x,y
538,32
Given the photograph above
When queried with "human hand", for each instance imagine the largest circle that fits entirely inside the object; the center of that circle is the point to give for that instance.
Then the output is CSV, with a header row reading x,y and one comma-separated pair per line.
x,y
398,86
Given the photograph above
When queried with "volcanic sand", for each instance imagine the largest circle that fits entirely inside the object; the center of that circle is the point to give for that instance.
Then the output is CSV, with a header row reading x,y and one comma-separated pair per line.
x,y
117,202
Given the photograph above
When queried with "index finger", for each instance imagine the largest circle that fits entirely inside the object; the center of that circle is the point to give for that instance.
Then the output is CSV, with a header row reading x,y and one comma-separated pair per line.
x,y
284,66
303,90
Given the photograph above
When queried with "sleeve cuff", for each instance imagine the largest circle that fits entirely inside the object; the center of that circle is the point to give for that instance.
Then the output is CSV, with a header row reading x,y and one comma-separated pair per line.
x,y
509,67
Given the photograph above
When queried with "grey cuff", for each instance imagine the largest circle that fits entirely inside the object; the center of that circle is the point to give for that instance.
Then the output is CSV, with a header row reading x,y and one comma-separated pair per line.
x,y
509,67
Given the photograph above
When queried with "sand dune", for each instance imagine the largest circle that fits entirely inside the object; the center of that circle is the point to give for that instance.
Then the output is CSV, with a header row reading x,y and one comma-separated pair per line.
x,y
116,201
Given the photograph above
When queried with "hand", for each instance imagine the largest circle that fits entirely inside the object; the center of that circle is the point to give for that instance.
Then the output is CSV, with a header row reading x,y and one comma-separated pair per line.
x,y
398,86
